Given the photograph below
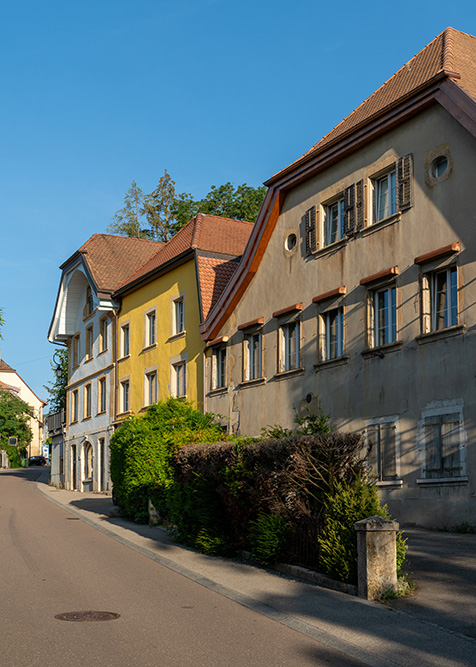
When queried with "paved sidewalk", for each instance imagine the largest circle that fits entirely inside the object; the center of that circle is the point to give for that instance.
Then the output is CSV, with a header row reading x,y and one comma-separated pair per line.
x,y
430,628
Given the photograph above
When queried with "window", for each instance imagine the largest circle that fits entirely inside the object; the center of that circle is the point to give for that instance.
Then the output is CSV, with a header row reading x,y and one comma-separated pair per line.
x,y
150,388
442,435
103,335
125,343
102,394
385,196
334,222
124,396
382,442
74,406
89,342
87,401
150,329
253,352
333,321
179,316
383,316
289,346
443,298
179,379
219,367
89,301
76,351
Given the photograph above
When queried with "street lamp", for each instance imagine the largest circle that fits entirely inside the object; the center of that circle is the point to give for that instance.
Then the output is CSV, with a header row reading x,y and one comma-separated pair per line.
x,y
59,367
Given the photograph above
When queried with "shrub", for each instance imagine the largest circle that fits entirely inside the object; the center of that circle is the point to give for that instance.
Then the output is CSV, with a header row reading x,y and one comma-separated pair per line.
x,y
268,536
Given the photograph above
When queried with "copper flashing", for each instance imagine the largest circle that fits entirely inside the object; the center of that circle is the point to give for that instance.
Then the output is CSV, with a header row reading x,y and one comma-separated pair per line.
x,y
217,341
289,309
251,323
328,295
393,271
435,254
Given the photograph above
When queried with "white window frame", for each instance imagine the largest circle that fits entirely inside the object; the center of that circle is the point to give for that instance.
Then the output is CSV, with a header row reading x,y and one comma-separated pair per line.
x,y
219,362
383,316
76,350
334,211
74,406
89,342
178,315
125,339
151,386
450,308
384,185
88,400
253,355
150,327
327,318
179,379
103,333
102,395
289,345
125,397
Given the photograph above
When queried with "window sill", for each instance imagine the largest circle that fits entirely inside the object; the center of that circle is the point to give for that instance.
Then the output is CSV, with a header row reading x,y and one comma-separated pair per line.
x,y
381,350
332,247
331,363
176,336
86,361
252,383
389,483
85,419
124,414
282,375
127,356
442,480
218,391
429,337
386,222
73,422
149,347
102,352
102,412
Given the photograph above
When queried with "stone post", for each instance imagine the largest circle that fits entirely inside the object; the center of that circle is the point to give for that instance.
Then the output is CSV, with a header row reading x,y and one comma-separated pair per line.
x,y
376,556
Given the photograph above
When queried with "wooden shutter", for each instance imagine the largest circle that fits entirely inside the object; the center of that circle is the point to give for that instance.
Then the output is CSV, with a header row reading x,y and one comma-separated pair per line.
x,y
373,442
432,430
388,451
404,182
359,204
349,209
450,445
310,225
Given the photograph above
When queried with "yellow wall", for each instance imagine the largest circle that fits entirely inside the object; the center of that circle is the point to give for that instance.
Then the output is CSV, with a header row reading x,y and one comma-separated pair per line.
x,y
160,294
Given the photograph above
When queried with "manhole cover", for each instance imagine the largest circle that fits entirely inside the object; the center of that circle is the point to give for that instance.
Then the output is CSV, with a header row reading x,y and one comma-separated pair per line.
x,y
87,616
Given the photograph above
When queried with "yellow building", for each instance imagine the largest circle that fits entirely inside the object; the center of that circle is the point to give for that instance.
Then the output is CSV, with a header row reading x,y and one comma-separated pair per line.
x,y
158,343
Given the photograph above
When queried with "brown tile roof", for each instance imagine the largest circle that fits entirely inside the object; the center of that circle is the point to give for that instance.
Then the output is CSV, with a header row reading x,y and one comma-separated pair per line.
x,y
111,258
451,54
214,275
5,367
209,233
8,387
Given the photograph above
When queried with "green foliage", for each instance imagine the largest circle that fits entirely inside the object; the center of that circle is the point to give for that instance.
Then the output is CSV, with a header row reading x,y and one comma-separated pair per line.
x,y
14,422
268,537
57,388
275,432
402,549
338,541
142,449
311,423
2,323
128,220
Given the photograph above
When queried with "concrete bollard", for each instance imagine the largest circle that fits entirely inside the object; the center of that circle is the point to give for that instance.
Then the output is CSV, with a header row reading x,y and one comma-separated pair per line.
x,y
377,556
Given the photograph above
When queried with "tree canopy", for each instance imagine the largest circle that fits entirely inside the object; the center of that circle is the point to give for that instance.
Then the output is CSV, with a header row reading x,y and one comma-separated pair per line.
x,y
57,388
14,420
160,214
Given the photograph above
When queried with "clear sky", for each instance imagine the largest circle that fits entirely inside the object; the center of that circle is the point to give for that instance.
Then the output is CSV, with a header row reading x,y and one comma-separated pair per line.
x,y
97,93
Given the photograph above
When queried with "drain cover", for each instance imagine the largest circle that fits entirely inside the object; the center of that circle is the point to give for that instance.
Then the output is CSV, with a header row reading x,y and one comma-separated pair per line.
x,y
87,616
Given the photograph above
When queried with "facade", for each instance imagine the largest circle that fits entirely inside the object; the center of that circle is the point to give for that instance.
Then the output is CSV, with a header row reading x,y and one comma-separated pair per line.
x,y
83,320
357,290
159,348
12,382
55,424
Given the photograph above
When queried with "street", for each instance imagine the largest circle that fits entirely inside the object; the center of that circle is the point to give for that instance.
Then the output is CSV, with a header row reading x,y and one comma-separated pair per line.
x,y
53,563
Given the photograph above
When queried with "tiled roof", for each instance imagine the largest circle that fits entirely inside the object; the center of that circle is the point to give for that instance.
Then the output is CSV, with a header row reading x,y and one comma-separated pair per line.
x,y
5,367
214,275
111,258
209,233
451,54
8,387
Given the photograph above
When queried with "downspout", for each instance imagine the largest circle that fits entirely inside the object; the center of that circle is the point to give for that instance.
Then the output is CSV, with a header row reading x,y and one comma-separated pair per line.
x,y
204,380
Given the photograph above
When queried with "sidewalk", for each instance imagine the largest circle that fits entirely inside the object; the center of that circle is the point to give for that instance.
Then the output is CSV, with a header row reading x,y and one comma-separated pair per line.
x,y
430,628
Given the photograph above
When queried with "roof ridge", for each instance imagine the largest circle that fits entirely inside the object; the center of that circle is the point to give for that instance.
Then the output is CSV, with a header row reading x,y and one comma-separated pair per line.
x,y
197,231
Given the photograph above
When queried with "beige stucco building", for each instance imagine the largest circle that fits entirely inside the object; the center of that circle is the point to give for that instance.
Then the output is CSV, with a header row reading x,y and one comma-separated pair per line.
x,y
357,290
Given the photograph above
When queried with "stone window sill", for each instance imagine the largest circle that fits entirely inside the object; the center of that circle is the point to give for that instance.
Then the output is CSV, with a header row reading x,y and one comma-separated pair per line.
x,y
176,336
127,356
382,350
331,363
429,337
218,391
389,483
386,222
286,374
442,480
252,383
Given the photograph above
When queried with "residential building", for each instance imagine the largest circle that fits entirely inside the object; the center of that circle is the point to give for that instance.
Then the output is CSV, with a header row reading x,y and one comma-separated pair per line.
x,y
159,348
83,320
357,290
11,381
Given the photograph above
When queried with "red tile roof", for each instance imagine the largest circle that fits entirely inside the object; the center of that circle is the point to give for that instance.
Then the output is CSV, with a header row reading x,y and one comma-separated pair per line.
x,y
214,275
208,233
5,367
451,54
111,258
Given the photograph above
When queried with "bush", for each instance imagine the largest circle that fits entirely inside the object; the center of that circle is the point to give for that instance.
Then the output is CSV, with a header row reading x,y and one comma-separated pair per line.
x,y
268,536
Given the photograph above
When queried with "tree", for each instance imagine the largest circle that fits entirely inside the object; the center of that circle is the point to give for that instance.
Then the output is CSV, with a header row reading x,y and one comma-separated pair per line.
x,y
14,423
2,322
243,203
127,220
57,389
160,209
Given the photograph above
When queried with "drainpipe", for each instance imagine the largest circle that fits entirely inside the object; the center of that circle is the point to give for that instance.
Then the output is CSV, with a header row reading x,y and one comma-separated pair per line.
x,y
204,380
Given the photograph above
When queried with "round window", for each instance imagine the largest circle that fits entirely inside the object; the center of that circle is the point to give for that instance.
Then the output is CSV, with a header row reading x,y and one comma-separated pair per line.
x,y
290,242
439,166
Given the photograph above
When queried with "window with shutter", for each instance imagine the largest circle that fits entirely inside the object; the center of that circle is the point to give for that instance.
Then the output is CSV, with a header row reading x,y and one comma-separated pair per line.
x,y
442,445
404,182
359,204
382,442
349,209
310,230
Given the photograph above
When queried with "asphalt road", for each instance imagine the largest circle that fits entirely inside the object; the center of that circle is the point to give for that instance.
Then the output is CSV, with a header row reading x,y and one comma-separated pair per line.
x,y
53,563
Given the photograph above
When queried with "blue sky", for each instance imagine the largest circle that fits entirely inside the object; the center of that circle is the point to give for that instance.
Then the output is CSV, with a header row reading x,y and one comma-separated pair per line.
x,y
96,94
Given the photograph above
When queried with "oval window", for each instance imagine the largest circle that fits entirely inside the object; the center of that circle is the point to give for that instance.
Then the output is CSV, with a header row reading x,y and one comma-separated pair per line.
x,y
291,241
439,166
